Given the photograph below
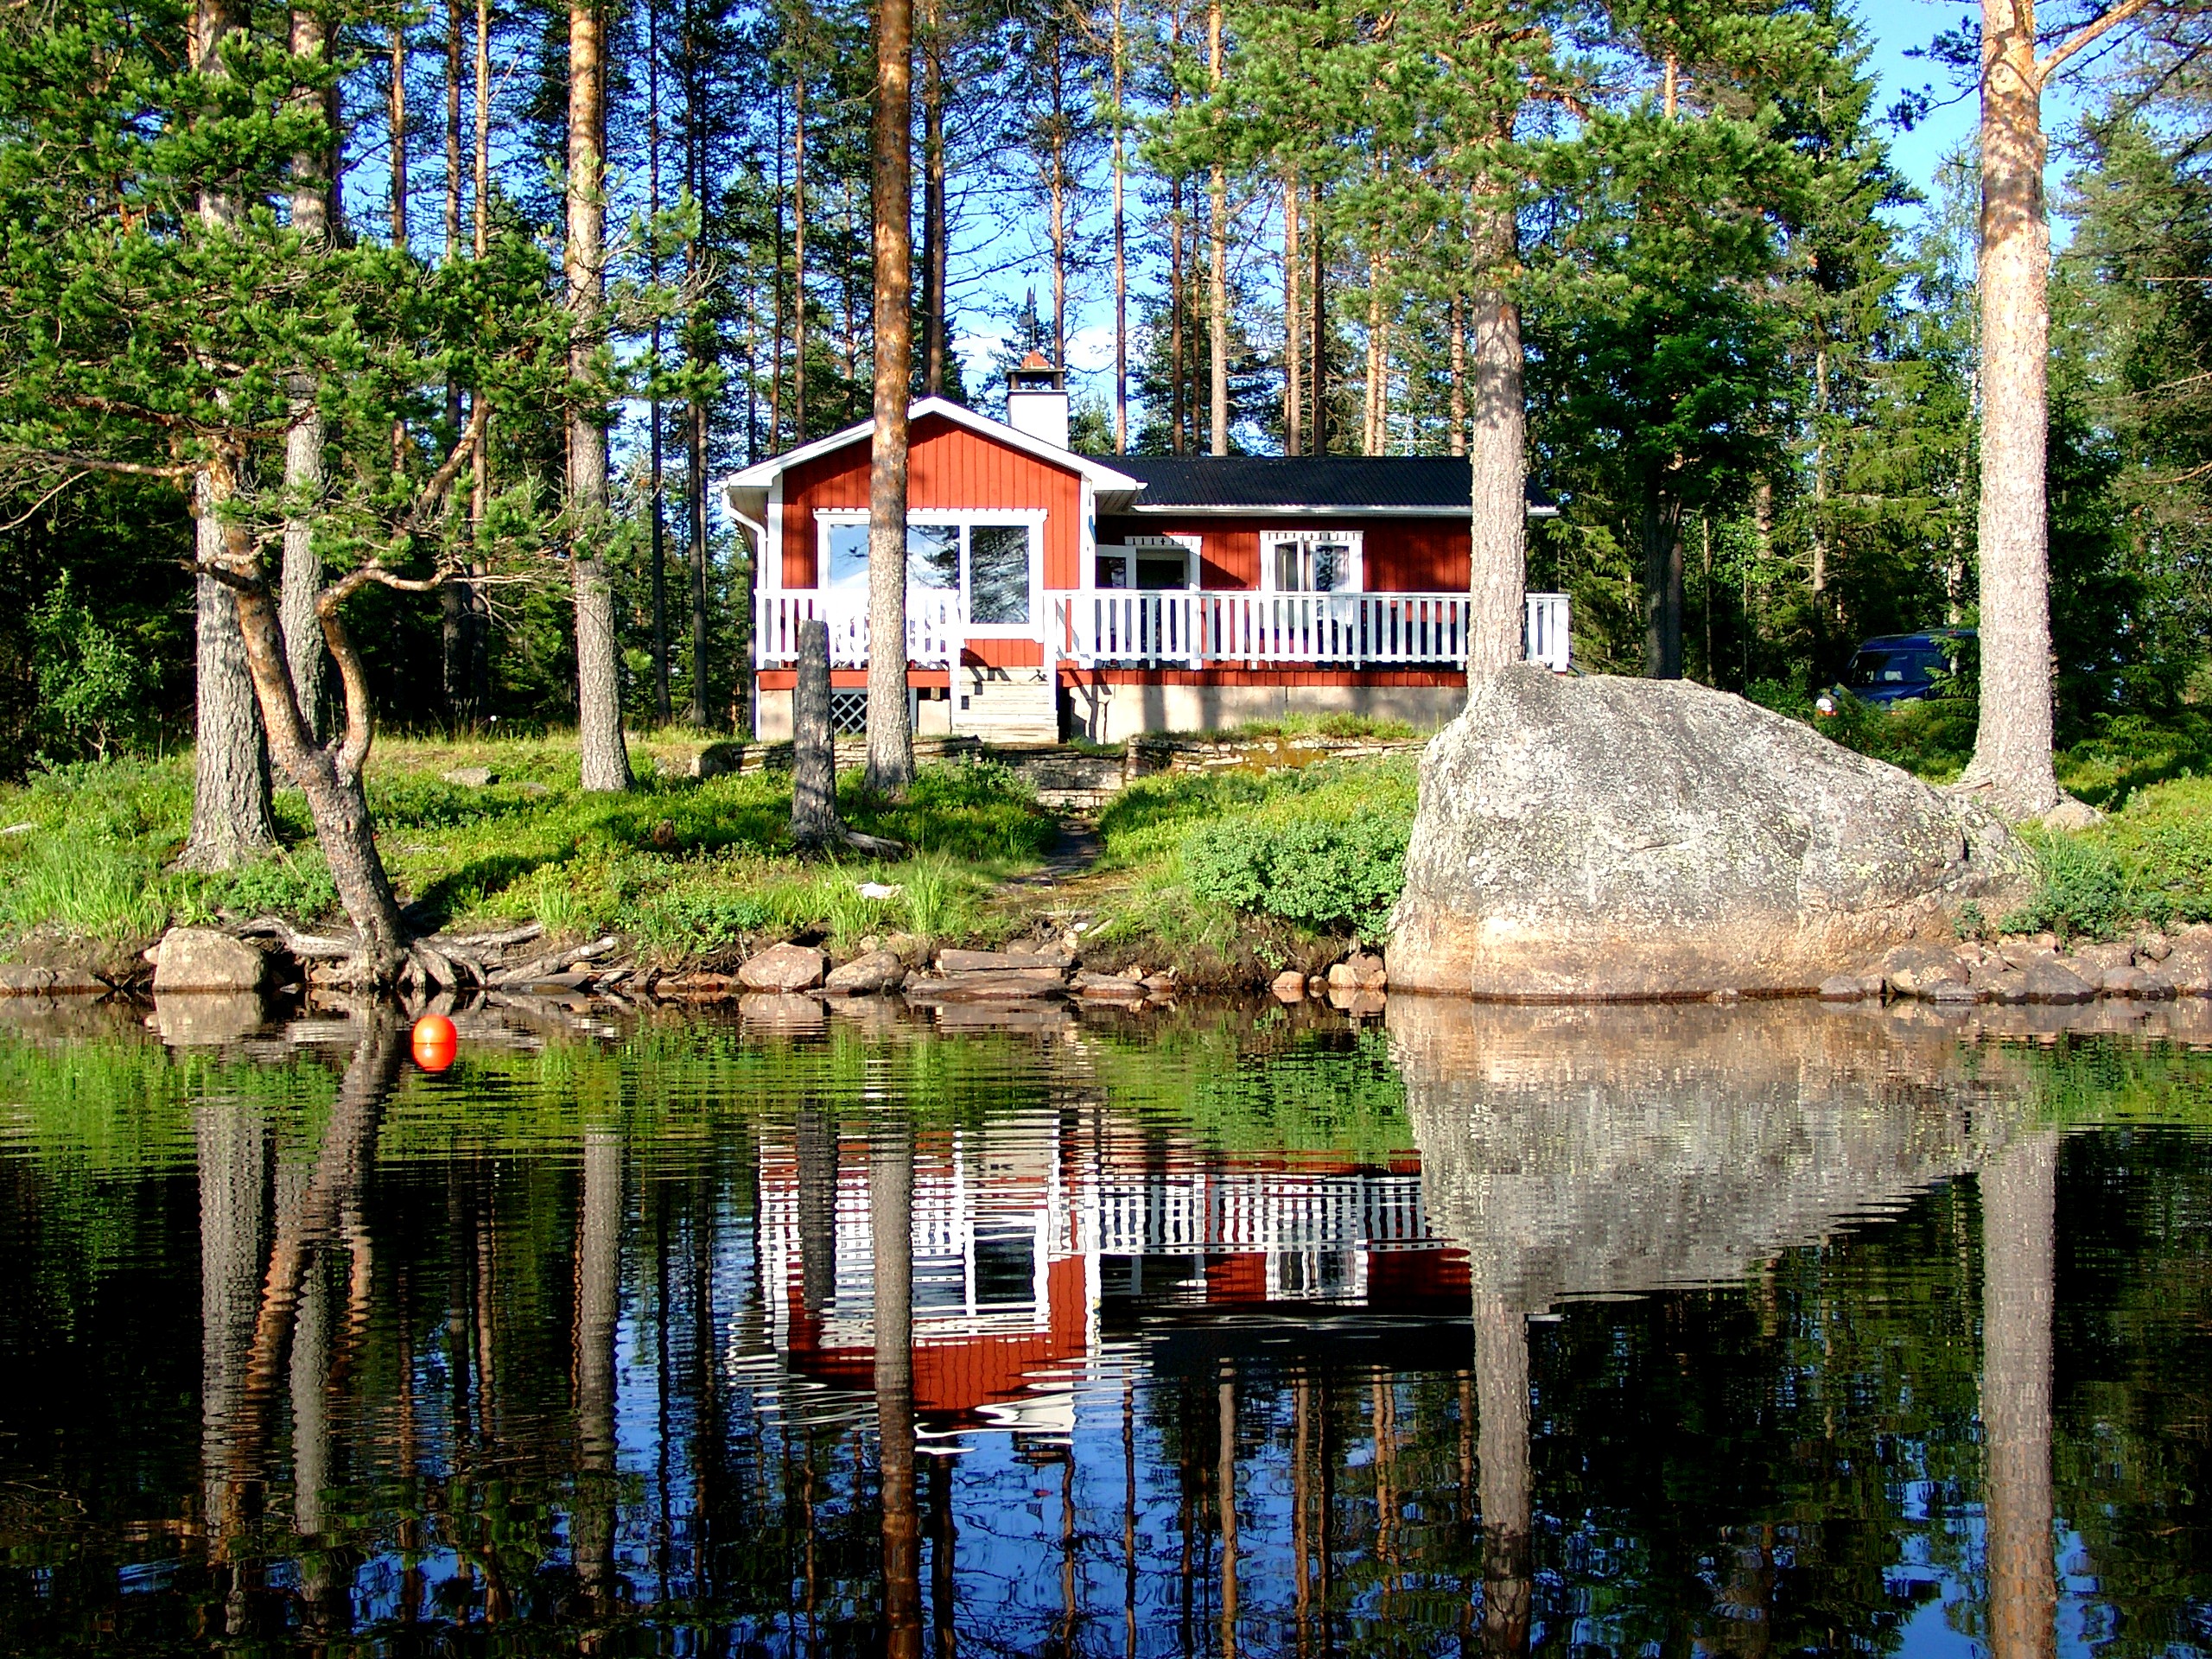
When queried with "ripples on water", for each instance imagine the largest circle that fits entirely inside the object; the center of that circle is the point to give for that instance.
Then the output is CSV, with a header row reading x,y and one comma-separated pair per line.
x,y
1765,1329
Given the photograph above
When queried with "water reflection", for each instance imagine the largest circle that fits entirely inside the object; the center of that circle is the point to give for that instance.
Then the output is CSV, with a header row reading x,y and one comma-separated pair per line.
x,y
1226,1337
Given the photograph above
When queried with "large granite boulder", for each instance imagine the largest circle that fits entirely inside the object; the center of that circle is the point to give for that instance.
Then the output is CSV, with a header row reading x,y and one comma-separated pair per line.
x,y
1600,837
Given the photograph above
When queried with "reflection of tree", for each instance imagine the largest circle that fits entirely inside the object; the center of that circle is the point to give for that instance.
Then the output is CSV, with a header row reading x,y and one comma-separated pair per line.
x,y
232,1153
890,1218
2018,1225
1501,1391
598,1282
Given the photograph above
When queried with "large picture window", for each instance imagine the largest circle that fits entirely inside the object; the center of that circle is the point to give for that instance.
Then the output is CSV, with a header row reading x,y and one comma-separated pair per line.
x,y
989,560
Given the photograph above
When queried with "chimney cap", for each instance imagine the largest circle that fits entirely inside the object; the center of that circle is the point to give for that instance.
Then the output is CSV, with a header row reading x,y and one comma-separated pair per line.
x,y
1036,373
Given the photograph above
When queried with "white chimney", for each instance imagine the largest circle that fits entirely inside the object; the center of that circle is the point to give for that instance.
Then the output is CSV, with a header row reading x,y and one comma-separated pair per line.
x,y
1036,401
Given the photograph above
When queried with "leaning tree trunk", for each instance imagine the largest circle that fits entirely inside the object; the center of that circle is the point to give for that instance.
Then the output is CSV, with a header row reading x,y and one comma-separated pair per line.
x,y
604,762
814,758
890,727
1497,458
231,821
2012,765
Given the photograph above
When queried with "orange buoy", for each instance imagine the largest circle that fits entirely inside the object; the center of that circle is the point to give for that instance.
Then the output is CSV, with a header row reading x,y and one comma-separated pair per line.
x,y
436,1042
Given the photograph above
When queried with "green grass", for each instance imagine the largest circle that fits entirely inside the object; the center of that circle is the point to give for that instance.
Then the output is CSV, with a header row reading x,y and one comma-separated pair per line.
x,y
691,868
1165,838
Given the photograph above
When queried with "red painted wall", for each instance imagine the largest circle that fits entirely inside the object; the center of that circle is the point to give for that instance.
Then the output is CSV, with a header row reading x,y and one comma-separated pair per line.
x,y
1403,555
948,467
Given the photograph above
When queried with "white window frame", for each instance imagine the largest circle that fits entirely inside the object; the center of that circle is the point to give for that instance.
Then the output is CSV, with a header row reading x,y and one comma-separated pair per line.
x,y
1306,537
1131,546
826,519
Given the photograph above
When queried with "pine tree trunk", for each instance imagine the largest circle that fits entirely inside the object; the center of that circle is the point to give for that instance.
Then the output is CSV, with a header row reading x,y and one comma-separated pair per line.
x,y
603,762
1120,256
1502,1406
933,225
2012,767
889,728
1217,258
1374,411
798,256
814,758
659,528
1294,389
1317,357
891,1206
2018,1222
395,118
304,437
1178,371
1498,460
1661,536
1456,329
696,488
232,822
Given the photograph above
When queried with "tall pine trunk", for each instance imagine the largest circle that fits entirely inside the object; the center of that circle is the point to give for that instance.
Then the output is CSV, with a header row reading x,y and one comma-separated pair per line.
x,y
890,729
1294,390
1660,533
933,225
814,756
1217,258
301,579
1317,355
1498,457
232,820
798,254
1121,254
2011,766
603,762
660,528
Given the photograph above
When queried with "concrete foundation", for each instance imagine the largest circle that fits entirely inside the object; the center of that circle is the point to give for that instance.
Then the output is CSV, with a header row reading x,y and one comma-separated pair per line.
x,y
1109,712
772,715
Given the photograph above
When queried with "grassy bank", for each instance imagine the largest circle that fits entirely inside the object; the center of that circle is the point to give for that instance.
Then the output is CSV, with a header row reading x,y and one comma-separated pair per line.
x,y
693,869
1229,876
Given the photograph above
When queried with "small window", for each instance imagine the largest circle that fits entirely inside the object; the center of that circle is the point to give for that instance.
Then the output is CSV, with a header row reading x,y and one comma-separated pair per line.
x,y
847,555
998,575
933,556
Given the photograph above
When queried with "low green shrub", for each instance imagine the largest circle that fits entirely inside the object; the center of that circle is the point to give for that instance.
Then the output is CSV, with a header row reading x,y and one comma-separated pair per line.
x,y
297,884
1319,873
2082,890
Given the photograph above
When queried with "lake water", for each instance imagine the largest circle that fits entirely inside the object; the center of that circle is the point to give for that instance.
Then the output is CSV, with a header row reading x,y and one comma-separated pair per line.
x,y
1760,1330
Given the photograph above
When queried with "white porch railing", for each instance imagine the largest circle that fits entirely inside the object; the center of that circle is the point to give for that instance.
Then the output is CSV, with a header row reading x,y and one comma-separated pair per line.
x,y
1136,628
933,625
1195,629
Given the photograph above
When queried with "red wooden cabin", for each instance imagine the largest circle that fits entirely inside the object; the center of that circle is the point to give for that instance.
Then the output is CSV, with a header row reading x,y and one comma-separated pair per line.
x,y
1052,595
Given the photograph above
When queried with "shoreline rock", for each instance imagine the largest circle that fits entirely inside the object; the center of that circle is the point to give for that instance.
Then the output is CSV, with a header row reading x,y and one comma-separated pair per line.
x,y
1604,839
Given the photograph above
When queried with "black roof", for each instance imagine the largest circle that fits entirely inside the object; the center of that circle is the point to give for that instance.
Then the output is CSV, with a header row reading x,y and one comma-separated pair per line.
x,y
1386,483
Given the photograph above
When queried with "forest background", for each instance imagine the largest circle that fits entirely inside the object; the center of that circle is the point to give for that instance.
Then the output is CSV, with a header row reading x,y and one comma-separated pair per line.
x,y
1739,318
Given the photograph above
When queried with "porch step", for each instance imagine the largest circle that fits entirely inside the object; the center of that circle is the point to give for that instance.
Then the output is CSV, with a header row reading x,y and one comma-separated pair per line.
x,y
1005,705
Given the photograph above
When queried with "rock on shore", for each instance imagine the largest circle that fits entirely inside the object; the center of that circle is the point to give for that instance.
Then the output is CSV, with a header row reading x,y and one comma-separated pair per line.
x,y
1600,837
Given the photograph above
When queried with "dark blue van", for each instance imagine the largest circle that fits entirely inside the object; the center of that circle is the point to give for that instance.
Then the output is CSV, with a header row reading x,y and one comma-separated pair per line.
x,y
1893,667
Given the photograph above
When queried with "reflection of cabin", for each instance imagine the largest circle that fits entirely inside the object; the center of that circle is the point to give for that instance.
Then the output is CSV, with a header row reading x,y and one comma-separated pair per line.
x,y
1052,594
1021,1233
